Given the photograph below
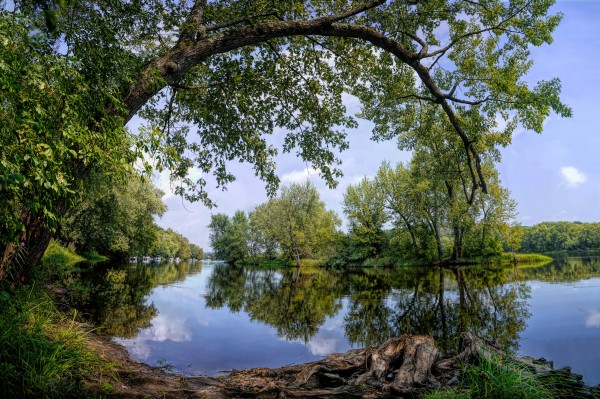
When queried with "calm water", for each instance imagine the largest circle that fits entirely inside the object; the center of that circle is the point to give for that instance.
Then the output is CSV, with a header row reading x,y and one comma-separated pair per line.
x,y
203,319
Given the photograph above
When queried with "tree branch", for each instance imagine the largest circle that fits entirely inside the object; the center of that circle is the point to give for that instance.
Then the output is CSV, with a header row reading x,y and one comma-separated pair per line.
x,y
238,21
193,21
473,33
181,58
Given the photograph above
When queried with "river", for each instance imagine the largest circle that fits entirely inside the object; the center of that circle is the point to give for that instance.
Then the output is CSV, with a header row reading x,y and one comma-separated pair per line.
x,y
208,318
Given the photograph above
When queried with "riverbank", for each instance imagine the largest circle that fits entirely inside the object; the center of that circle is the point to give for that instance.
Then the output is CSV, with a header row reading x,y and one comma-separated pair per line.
x,y
88,365
408,366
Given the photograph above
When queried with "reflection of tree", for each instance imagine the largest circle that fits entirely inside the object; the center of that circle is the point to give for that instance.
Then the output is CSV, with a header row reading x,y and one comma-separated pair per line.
x,y
563,270
437,302
295,302
170,273
115,299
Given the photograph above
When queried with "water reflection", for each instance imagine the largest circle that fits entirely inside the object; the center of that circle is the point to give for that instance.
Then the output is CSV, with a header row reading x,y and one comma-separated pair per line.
x,y
114,298
296,303
218,316
380,303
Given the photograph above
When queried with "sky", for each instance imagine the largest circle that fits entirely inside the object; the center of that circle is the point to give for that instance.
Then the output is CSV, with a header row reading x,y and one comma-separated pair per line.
x,y
553,176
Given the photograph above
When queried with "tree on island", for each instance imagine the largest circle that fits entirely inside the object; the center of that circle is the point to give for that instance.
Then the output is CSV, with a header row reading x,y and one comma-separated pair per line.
x,y
214,79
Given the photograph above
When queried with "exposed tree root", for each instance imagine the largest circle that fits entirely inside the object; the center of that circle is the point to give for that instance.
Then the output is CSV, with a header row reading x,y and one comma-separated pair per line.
x,y
403,367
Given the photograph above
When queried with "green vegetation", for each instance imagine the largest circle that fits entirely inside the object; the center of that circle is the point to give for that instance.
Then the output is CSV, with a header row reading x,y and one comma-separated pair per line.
x,y
43,351
493,379
550,237
425,203
526,258
94,256
294,226
234,73
58,258
114,217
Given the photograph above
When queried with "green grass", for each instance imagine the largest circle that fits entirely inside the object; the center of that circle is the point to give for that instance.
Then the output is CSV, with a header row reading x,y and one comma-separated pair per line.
x,y
59,257
94,256
526,258
43,352
492,379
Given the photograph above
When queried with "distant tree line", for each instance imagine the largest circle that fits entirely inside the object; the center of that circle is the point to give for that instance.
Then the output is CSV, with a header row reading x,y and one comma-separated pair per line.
x,y
560,236
407,213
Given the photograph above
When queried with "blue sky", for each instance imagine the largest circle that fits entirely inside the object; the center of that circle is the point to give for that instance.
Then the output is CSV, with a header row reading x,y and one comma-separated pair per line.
x,y
552,176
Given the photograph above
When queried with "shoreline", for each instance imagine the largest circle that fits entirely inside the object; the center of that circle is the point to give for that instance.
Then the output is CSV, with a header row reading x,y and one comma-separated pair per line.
x,y
326,378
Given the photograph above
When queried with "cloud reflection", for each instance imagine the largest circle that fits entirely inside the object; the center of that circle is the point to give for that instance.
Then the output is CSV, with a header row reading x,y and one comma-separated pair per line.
x,y
592,317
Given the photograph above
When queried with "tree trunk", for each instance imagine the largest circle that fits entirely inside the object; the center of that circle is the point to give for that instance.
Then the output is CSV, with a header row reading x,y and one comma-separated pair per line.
x,y
438,240
457,248
409,227
19,258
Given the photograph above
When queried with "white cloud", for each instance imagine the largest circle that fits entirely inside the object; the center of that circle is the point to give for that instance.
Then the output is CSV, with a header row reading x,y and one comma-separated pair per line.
x,y
299,176
572,177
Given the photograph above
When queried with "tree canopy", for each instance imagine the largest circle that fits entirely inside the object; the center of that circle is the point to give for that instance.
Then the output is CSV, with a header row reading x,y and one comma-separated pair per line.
x,y
294,225
214,79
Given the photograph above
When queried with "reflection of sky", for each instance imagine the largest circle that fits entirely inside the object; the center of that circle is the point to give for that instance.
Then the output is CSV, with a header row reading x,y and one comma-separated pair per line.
x,y
564,326
197,340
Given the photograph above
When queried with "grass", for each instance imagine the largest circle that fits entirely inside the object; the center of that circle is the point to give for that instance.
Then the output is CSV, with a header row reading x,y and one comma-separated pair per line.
x,y
42,351
94,256
492,379
526,258
58,257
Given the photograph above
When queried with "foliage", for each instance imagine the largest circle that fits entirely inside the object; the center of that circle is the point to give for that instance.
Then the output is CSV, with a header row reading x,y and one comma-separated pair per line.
x,y
299,223
421,202
561,236
364,208
296,224
43,353
115,216
56,124
235,72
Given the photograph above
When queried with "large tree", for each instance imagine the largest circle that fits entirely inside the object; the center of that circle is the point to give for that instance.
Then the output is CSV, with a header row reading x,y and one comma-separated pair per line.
x,y
297,223
232,71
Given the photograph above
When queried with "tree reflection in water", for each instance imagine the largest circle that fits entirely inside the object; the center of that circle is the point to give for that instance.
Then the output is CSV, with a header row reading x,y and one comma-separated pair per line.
x,y
380,304
295,302
114,298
